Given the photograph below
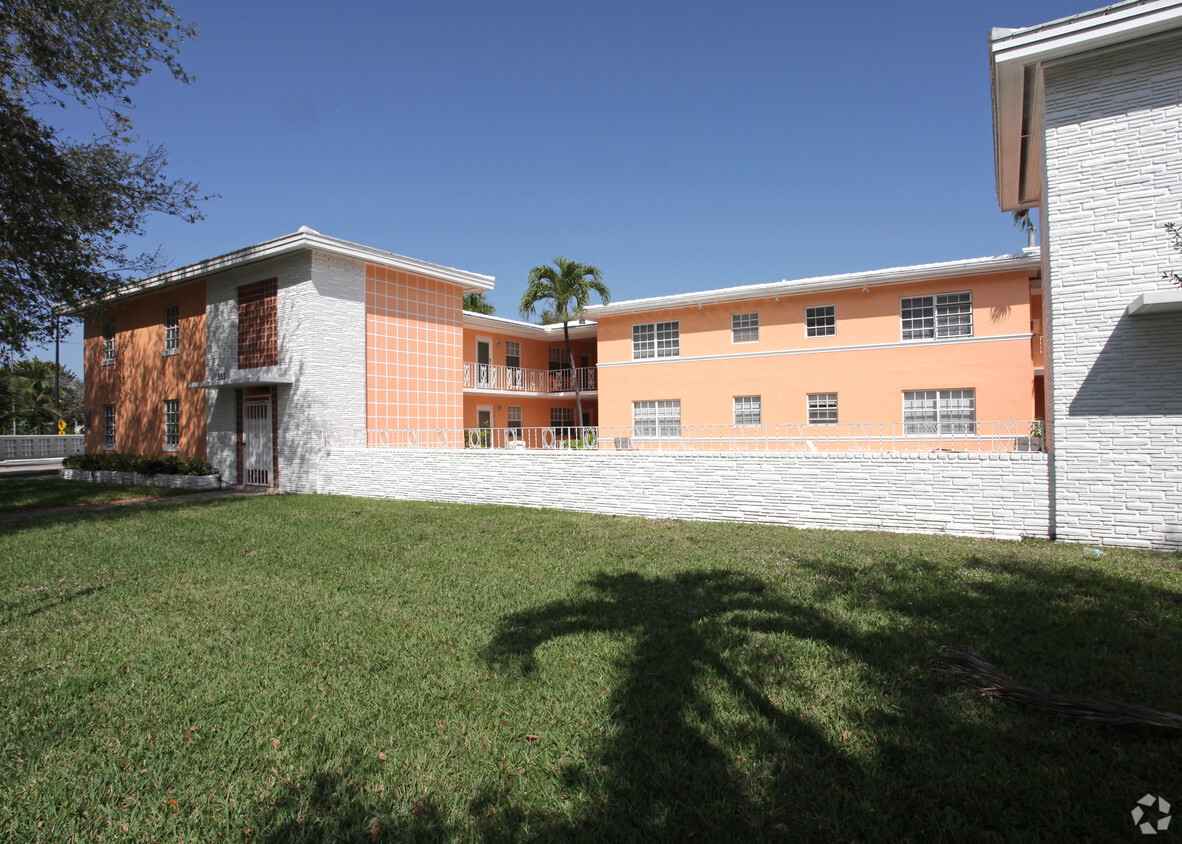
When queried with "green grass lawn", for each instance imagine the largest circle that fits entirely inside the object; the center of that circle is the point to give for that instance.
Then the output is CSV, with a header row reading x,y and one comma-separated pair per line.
x,y
38,493
298,668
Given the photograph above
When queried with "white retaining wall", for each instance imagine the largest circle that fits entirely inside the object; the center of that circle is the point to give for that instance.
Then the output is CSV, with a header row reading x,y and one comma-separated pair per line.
x,y
995,495
1114,392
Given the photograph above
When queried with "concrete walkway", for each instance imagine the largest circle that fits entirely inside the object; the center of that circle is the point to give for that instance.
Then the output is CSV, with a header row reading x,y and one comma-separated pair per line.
x,y
162,500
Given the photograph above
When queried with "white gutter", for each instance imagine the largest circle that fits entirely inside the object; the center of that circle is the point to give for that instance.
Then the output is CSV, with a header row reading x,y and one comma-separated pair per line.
x,y
1027,260
306,238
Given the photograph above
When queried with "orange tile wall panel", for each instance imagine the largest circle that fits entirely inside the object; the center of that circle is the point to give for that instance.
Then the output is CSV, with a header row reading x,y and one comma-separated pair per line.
x,y
413,351
142,377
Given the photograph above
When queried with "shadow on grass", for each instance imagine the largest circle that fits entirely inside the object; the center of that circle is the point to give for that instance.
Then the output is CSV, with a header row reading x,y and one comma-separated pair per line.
x,y
673,768
11,611
903,754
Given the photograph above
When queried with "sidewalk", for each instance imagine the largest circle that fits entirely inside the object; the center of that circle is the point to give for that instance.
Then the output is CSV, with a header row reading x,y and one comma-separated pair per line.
x,y
164,499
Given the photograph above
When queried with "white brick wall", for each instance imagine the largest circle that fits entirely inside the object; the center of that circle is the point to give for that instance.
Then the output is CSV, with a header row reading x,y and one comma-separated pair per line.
x,y
996,495
322,345
1113,178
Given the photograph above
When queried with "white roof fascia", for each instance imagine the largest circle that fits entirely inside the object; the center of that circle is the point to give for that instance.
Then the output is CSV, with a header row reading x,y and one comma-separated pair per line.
x,y
1089,31
307,239
1027,260
581,330
1013,51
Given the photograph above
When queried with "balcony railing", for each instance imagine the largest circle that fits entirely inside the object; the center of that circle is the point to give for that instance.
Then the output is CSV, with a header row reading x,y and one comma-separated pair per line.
x,y
898,438
488,376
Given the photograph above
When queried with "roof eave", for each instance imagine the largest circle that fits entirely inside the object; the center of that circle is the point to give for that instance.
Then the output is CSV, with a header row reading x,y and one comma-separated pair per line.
x,y
1028,260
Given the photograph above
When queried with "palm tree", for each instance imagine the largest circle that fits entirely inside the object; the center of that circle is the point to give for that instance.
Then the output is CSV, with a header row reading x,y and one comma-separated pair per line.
x,y
566,290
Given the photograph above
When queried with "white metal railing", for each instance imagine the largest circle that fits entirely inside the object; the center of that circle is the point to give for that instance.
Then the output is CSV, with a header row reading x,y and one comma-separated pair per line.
x,y
896,437
41,446
489,376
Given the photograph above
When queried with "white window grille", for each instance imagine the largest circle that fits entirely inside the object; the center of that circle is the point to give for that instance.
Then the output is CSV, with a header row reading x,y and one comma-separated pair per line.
x,y
108,426
748,410
172,329
513,417
930,412
512,354
656,418
108,342
822,408
172,424
656,340
820,321
936,317
745,328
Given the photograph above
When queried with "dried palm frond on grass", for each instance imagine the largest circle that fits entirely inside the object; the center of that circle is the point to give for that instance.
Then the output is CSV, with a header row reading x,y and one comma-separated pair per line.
x,y
974,671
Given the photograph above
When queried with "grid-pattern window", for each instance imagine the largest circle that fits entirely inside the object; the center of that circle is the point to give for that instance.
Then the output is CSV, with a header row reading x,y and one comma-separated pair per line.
x,y
172,329
748,410
512,354
929,412
109,342
172,424
745,328
513,417
558,358
928,317
108,426
656,418
820,321
822,408
656,340
562,417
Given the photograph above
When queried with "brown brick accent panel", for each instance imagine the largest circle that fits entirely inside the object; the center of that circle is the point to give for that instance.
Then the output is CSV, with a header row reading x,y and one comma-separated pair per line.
x,y
258,324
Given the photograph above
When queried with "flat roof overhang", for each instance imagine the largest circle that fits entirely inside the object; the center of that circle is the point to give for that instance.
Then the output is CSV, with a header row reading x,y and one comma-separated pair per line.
x,y
263,377
1017,58
1156,302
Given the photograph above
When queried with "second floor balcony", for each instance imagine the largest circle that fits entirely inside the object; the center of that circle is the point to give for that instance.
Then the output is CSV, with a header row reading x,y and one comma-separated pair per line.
x,y
480,377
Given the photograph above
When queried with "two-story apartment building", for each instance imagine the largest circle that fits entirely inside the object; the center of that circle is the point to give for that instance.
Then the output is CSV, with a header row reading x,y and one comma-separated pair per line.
x,y
914,348
261,357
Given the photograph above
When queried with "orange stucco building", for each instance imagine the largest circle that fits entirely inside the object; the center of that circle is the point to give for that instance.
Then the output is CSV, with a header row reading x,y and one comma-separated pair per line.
x,y
260,358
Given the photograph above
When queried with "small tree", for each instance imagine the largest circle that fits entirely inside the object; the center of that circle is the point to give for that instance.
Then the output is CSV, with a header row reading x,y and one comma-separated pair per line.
x,y
566,287
1175,236
476,303
71,208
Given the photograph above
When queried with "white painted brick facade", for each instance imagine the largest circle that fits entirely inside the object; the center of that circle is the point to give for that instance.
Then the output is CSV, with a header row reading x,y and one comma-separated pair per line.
x,y
996,495
1113,159
321,305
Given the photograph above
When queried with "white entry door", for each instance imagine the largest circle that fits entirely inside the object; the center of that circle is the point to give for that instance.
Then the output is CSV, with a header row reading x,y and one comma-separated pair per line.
x,y
257,448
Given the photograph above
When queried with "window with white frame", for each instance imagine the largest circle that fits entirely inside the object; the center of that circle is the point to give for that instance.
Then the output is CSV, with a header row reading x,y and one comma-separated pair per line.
x,y
745,328
108,426
822,408
656,418
108,342
937,317
656,340
513,417
928,412
748,411
512,354
172,424
172,329
558,359
820,321
562,417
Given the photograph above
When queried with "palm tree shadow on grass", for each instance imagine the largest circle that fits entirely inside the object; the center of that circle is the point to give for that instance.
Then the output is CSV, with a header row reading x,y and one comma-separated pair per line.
x,y
666,769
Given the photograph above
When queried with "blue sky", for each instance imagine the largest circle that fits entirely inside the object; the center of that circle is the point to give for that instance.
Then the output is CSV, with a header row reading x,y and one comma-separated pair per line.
x,y
678,146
